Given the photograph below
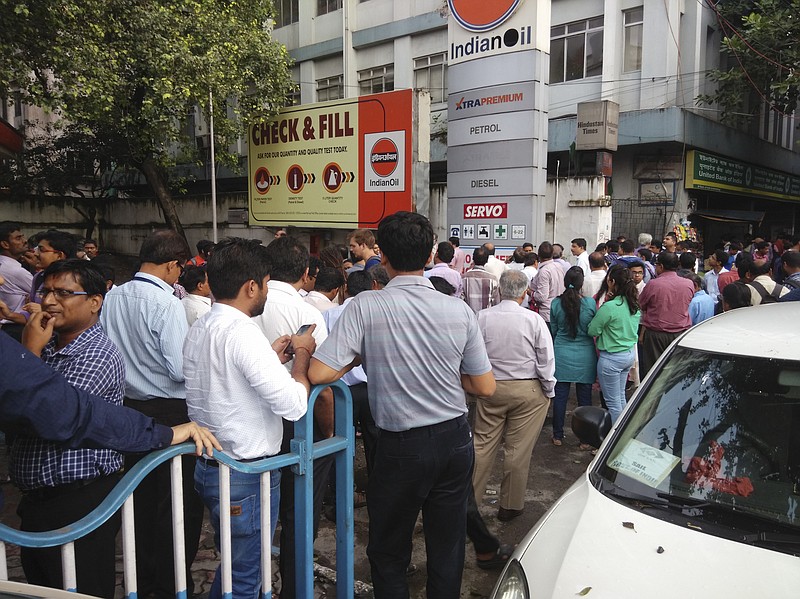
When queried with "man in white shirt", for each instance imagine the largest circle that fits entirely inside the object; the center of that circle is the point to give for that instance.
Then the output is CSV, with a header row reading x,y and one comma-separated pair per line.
x,y
441,267
284,313
459,261
326,287
592,283
198,299
525,384
493,265
717,262
237,387
578,249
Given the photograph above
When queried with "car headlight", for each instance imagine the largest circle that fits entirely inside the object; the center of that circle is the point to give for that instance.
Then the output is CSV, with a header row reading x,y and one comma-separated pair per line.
x,y
513,584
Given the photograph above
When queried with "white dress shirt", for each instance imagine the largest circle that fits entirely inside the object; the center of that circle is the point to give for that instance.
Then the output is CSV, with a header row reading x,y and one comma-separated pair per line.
x,y
195,307
592,283
236,386
319,300
285,312
582,260
495,266
357,374
519,344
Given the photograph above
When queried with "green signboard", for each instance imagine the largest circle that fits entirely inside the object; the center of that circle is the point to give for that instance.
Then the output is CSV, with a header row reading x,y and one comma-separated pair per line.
x,y
718,173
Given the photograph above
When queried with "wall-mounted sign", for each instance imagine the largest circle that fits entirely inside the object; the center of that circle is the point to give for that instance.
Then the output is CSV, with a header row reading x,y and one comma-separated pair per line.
x,y
496,27
598,125
340,164
718,173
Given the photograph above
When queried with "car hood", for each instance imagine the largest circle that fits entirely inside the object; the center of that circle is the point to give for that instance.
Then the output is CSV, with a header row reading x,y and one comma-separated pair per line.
x,y
590,541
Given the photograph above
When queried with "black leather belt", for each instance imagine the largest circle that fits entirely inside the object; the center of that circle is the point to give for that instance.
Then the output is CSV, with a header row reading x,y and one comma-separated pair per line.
x,y
212,463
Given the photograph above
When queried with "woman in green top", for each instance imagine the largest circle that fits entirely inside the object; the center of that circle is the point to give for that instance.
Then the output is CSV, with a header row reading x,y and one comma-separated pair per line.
x,y
616,328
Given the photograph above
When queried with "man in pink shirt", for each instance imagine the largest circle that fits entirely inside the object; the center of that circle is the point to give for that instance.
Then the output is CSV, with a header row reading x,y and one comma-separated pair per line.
x,y
459,261
665,310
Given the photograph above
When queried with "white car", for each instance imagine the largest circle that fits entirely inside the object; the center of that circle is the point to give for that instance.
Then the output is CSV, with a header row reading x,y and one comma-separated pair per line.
x,y
695,491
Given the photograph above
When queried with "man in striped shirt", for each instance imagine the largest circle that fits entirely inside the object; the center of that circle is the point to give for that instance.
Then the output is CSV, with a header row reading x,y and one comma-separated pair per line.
x,y
59,486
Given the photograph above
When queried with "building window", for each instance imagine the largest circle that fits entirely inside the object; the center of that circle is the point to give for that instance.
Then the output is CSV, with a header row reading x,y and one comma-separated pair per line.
x,y
293,97
331,88
376,80
287,12
632,57
430,73
576,50
17,104
326,6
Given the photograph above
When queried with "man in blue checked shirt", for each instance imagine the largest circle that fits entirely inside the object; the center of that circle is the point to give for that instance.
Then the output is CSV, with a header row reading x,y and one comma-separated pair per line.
x,y
60,486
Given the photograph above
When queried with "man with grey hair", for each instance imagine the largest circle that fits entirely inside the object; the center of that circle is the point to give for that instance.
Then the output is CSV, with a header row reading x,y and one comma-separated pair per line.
x,y
645,239
525,382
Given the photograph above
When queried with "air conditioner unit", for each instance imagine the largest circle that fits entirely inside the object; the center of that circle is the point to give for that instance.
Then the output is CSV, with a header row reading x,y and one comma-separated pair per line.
x,y
200,123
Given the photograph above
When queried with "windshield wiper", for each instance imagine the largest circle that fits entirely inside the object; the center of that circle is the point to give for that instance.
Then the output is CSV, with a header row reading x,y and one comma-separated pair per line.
x,y
771,538
663,500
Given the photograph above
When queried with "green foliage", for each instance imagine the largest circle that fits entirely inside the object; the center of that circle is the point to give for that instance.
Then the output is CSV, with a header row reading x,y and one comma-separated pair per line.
x,y
760,42
125,73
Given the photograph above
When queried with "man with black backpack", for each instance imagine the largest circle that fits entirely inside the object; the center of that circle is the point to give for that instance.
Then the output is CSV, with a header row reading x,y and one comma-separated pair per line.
x,y
763,289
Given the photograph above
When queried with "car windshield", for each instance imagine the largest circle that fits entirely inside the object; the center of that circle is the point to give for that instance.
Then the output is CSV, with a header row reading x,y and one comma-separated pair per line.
x,y
718,432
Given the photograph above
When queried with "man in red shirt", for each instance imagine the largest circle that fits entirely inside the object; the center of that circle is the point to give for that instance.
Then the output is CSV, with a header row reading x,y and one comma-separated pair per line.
x,y
739,272
665,310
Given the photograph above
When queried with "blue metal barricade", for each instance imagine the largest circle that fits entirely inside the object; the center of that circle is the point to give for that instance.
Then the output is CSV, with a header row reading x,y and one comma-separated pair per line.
x,y
302,453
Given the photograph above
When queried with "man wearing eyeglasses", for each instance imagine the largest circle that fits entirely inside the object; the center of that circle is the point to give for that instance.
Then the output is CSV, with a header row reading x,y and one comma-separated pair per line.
x,y
52,247
148,324
59,486
14,293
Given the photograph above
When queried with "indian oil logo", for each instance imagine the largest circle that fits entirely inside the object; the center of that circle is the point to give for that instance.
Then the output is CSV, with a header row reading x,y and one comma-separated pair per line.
x,y
383,157
482,15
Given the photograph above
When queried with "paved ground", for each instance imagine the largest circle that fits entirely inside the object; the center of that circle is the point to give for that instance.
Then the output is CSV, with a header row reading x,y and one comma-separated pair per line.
x,y
553,469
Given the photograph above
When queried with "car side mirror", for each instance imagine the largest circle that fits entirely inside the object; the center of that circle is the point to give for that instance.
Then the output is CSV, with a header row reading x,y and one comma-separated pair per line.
x,y
591,424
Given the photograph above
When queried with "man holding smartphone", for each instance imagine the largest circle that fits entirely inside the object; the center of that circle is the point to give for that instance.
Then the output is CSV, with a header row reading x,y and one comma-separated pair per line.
x,y
226,356
285,313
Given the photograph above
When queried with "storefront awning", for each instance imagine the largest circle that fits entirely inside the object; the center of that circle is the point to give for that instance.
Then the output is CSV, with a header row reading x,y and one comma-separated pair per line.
x,y
731,216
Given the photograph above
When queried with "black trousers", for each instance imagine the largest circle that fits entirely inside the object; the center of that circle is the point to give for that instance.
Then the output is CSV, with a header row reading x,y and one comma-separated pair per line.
x,y
425,469
54,507
362,417
322,470
155,573
654,343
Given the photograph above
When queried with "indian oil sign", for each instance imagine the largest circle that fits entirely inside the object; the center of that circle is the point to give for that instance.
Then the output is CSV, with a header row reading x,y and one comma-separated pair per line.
x,y
339,164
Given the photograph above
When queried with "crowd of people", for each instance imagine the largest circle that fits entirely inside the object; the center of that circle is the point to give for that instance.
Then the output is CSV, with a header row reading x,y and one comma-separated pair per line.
x,y
447,356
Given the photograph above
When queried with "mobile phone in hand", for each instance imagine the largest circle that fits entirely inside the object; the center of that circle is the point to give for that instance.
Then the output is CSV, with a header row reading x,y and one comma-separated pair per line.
x,y
289,351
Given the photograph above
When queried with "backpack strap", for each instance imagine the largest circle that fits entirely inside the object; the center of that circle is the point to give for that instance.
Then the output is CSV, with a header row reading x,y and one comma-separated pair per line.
x,y
775,294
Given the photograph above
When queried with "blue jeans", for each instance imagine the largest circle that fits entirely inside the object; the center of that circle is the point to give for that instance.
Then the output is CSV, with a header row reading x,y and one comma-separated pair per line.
x,y
584,393
245,525
612,372
430,469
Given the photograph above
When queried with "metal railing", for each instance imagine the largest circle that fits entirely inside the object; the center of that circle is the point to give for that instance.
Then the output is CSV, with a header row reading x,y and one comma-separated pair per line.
x,y
300,459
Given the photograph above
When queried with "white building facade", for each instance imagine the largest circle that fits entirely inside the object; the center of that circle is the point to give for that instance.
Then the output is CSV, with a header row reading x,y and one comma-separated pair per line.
x,y
648,56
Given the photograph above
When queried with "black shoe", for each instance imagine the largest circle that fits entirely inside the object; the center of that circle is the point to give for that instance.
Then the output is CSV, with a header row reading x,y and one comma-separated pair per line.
x,y
505,515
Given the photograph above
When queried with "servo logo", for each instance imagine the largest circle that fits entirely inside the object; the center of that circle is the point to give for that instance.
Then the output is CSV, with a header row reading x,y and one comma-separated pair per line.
x,y
482,15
